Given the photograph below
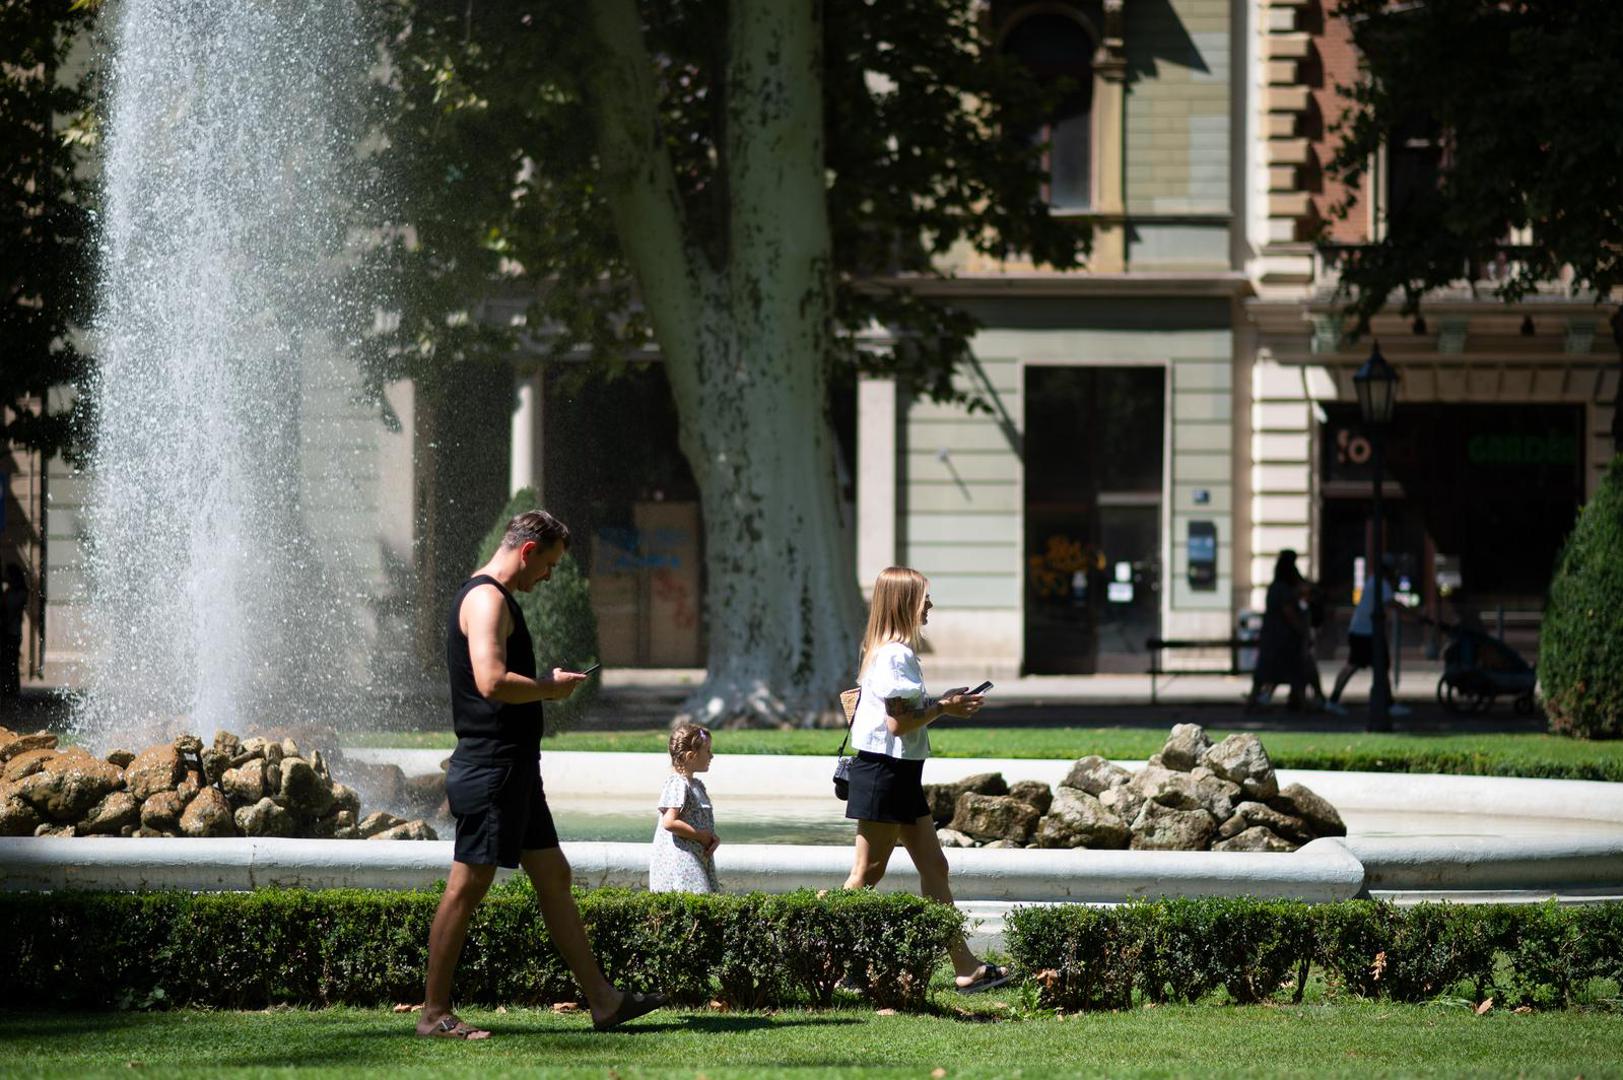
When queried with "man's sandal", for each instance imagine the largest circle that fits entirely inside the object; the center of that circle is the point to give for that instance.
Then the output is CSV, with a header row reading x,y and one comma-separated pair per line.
x,y
451,1027
632,1005
986,976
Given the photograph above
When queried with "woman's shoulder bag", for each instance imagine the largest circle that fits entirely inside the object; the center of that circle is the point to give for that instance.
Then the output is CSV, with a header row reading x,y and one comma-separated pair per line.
x,y
842,761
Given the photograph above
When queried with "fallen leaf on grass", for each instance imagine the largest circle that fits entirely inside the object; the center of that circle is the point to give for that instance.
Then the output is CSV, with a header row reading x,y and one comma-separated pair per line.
x,y
502,1009
717,1005
884,1012
404,1008
1522,1010
937,1073
1487,1003
565,1007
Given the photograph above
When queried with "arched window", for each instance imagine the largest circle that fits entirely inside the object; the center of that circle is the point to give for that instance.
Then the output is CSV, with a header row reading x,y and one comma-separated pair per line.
x,y
1056,46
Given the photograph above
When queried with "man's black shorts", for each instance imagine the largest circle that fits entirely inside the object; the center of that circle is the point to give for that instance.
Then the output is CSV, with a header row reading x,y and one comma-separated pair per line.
x,y
500,810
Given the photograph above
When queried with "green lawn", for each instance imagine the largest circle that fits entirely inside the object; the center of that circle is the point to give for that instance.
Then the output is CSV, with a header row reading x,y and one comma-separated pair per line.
x,y
1533,754
1354,1039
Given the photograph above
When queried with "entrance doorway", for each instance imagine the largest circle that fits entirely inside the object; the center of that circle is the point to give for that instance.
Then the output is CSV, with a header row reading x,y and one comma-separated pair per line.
x,y
1093,465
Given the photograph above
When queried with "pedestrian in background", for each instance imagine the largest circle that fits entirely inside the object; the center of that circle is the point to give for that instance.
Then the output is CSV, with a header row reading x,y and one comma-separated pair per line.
x,y
1281,647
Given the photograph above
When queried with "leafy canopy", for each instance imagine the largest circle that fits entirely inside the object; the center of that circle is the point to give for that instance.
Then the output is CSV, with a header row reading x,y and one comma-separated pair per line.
x,y
491,136
1525,97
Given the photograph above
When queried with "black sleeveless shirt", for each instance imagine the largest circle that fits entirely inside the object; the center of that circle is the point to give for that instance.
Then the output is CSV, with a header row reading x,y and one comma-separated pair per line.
x,y
486,730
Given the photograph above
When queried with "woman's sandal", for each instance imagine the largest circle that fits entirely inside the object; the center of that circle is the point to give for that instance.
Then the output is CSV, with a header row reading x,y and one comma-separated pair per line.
x,y
986,976
451,1027
632,1005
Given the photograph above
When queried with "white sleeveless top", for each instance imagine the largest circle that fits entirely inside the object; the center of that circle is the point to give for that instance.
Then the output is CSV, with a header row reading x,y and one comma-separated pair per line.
x,y
893,672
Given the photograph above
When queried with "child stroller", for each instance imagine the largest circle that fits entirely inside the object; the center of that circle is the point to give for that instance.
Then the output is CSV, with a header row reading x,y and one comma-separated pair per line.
x,y
1477,668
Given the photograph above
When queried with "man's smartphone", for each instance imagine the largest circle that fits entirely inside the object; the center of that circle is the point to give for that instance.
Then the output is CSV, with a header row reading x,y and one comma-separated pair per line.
x,y
982,688
591,669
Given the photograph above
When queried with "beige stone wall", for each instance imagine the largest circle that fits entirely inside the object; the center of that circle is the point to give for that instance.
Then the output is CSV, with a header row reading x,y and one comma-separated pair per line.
x,y
1178,97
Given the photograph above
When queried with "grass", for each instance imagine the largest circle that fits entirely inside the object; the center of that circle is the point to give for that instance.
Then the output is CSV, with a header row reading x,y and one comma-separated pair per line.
x,y
1473,754
1353,1039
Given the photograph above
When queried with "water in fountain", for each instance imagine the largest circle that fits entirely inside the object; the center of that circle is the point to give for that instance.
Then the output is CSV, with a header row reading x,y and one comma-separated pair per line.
x,y
232,530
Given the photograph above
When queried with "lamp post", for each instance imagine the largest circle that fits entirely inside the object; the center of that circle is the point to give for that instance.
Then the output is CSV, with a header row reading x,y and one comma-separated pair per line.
x,y
1376,383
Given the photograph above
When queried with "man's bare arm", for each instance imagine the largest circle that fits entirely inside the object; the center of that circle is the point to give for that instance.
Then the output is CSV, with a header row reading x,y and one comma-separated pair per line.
x,y
485,620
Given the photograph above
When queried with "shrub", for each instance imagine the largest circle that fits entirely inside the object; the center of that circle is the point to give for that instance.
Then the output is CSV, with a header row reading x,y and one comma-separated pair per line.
x,y
560,617
1581,641
354,947
1081,957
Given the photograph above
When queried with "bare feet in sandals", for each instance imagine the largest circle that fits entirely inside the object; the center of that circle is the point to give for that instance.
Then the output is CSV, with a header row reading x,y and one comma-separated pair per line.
x,y
985,977
632,1005
450,1027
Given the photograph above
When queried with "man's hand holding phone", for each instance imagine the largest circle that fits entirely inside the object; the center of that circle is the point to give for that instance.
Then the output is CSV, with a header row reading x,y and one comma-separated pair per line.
x,y
565,680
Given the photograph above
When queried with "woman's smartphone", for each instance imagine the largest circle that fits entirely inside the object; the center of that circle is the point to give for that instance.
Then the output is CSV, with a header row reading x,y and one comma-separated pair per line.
x,y
591,669
982,688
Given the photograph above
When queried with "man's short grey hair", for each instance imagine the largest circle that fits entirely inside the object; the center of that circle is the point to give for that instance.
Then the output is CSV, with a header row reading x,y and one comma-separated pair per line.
x,y
538,526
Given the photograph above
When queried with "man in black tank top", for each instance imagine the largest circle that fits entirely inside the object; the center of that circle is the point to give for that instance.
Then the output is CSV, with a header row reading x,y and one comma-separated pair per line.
x,y
494,780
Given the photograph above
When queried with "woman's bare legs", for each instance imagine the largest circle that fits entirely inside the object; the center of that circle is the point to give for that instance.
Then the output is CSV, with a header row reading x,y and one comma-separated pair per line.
x,y
875,841
924,847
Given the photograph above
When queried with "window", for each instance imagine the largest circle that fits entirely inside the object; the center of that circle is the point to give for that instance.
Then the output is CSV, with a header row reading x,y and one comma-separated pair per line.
x,y
1055,47
1414,168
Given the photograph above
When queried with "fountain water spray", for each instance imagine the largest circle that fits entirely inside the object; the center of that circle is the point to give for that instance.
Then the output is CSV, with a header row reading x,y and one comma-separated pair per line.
x,y
232,528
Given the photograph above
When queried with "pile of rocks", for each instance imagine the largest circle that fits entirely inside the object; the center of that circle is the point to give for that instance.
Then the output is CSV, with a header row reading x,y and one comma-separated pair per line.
x,y
1192,796
236,787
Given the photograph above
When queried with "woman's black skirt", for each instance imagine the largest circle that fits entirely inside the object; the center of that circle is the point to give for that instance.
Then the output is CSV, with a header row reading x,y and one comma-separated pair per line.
x,y
886,789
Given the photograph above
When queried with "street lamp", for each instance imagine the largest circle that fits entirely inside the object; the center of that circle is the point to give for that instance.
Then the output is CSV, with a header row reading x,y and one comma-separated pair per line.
x,y
1377,384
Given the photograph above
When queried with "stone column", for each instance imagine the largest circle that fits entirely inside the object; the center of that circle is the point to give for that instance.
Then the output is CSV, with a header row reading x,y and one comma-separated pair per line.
x,y
1109,253
876,477
525,462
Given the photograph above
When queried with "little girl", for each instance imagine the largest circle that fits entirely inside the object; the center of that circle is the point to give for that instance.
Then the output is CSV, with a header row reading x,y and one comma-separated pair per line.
x,y
685,838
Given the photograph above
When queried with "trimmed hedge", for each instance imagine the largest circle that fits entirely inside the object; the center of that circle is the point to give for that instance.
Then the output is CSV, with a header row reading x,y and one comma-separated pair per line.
x,y
1581,640
359,947
1258,950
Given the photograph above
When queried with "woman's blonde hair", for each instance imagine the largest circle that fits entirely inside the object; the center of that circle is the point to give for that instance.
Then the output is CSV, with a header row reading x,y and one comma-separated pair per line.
x,y
895,612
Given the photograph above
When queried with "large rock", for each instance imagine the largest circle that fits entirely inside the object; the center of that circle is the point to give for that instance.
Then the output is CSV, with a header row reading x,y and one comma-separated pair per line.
x,y
26,763
216,763
1184,747
1217,795
1123,800
1033,793
1291,828
48,829
424,793
247,783
1077,819
954,839
17,816
416,829
1240,759
994,817
155,769
68,785
12,744
345,798
209,814
1094,775
227,744
120,757
986,783
1256,838
110,817
162,811
188,746
376,822
304,792
1298,801
264,818
382,783
942,800
1161,828
338,825
1177,790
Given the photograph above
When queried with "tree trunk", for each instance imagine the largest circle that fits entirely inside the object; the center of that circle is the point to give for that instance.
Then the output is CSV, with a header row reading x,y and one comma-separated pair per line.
x,y
746,346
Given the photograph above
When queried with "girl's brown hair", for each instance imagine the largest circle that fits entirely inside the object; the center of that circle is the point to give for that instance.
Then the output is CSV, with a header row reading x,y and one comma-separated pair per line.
x,y
895,612
686,739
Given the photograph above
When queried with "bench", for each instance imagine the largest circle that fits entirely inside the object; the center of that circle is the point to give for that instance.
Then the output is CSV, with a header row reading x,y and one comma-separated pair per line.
x,y
1156,645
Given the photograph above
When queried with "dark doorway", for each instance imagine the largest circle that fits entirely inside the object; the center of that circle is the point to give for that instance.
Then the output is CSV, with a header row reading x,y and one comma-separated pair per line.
x,y
1093,465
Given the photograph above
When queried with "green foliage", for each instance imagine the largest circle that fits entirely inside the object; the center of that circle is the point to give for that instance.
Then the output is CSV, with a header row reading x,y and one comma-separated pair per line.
x,y
44,222
292,946
1182,950
560,617
1581,642
1525,96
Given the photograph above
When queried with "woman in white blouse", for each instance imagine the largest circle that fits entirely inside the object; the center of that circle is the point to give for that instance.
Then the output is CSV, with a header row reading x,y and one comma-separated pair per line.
x,y
890,732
